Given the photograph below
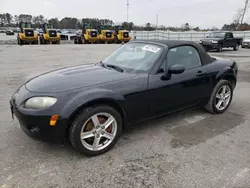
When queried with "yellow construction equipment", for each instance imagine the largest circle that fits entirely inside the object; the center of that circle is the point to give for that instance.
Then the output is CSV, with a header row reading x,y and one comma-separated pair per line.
x,y
49,35
106,35
27,34
121,35
87,36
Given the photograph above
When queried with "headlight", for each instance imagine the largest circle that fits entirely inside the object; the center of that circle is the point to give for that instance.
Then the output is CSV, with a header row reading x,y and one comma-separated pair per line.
x,y
40,102
201,42
214,41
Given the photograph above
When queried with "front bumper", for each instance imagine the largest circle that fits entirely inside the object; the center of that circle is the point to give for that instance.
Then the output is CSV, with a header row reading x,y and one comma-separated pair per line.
x,y
36,124
93,39
52,39
211,46
246,45
125,39
29,39
38,127
107,39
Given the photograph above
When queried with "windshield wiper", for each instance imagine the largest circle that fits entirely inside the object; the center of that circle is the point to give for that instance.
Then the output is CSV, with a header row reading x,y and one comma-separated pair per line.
x,y
102,64
114,67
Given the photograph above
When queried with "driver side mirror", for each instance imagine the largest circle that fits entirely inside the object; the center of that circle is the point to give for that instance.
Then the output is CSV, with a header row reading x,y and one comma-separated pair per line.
x,y
173,69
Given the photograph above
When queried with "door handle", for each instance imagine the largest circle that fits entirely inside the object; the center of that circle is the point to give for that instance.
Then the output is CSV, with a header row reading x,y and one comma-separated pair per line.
x,y
200,73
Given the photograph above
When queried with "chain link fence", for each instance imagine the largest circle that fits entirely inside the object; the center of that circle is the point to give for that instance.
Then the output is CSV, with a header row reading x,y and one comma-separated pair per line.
x,y
189,36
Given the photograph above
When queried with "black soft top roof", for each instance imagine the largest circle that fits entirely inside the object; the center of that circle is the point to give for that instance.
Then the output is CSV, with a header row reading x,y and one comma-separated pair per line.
x,y
205,58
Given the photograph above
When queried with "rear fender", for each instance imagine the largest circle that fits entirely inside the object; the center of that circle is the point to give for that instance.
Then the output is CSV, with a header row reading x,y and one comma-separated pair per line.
x,y
83,98
226,73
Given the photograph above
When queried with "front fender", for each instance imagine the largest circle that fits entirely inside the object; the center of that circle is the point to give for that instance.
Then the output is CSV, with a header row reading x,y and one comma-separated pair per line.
x,y
82,98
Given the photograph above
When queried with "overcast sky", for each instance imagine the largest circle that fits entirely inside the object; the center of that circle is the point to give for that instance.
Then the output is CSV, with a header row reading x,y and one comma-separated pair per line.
x,y
203,13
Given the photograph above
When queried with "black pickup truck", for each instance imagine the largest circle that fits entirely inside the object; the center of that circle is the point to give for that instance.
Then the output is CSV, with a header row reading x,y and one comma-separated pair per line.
x,y
221,39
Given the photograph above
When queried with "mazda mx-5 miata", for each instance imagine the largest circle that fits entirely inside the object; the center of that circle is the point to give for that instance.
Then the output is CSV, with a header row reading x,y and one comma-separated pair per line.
x,y
92,104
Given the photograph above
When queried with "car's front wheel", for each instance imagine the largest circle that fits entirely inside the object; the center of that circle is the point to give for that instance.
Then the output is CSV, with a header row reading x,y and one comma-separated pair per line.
x,y
236,47
219,49
96,130
221,97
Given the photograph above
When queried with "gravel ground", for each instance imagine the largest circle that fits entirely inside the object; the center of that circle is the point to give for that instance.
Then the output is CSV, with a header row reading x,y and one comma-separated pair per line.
x,y
189,149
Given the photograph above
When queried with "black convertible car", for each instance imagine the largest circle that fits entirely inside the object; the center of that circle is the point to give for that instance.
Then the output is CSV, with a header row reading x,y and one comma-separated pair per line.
x,y
92,104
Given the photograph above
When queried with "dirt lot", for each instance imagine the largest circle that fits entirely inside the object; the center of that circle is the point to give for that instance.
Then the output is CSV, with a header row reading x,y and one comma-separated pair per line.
x,y
189,149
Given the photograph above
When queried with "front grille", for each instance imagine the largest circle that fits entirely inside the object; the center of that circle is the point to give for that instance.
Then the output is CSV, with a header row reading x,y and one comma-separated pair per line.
x,y
125,35
29,33
52,33
206,43
108,34
93,34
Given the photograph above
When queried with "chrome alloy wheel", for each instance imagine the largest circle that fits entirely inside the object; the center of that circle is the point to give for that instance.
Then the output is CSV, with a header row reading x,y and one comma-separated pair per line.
x,y
98,131
223,97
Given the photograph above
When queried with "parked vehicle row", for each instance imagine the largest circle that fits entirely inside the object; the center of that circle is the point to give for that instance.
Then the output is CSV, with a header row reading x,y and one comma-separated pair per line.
x,y
104,34
27,35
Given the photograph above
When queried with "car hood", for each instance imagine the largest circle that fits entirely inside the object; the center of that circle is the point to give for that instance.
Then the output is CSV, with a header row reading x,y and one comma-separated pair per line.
x,y
74,77
246,40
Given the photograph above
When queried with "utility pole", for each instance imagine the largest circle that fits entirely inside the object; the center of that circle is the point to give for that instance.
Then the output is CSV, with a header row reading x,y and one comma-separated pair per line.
x,y
156,21
244,11
127,9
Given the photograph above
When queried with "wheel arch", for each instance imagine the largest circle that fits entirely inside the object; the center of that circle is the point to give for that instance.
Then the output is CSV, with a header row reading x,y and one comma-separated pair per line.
x,y
100,101
227,75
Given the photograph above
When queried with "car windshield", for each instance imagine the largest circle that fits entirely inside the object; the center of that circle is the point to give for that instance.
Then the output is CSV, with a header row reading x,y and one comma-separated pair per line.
x,y
134,57
216,35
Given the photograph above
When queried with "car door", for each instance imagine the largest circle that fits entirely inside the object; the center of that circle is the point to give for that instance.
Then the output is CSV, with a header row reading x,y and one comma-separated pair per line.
x,y
181,90
229,40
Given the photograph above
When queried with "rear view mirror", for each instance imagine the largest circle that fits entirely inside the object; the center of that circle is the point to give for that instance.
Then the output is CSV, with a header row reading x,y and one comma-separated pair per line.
x,y
176,69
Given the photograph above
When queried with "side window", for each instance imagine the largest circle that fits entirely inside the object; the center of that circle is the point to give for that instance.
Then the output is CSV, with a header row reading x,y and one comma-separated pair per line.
x,y
230,35
187,56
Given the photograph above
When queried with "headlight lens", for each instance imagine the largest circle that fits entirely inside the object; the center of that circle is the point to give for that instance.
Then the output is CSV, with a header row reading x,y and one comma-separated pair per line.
x,y
201,42
40,102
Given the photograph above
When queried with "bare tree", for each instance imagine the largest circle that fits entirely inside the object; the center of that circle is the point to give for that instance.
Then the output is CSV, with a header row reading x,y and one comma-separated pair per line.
x,y
238,16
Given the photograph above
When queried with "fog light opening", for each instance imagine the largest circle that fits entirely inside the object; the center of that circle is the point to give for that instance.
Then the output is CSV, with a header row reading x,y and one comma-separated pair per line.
x,y
53,120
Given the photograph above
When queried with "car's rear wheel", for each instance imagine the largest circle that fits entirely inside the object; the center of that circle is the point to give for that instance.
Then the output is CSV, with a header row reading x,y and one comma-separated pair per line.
x,y
221,97
95,130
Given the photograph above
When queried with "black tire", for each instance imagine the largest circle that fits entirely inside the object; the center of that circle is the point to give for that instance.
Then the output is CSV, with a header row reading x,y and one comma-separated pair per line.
x,y
84,41
18,41
75,41
236,47
21,42
74,133
42,41
243,47
219,49
211,106
116,40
